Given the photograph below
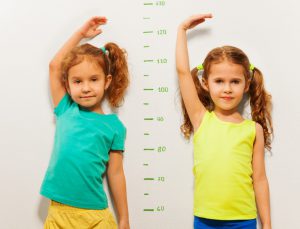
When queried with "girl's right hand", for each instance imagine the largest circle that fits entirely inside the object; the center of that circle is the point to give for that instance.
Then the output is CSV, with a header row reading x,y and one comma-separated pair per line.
x,y
90,28
194,20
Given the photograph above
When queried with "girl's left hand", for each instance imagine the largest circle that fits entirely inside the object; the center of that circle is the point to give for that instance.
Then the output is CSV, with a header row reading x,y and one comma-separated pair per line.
x,y
91,28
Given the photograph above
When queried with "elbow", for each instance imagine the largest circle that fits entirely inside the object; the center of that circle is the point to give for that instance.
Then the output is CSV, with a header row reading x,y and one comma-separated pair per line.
x,y
260,179
180,70
54,65
182,73
116,172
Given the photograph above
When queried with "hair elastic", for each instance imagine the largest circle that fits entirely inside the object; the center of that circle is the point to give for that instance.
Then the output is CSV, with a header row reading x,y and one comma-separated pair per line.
x,y
106,58
200,67
104,50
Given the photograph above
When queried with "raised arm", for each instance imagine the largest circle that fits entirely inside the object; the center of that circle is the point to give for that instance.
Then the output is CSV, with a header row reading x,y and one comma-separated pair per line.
x,y
88,30
188,91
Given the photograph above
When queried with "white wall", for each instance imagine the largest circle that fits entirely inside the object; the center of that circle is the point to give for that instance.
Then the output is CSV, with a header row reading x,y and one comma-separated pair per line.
x,y
31,33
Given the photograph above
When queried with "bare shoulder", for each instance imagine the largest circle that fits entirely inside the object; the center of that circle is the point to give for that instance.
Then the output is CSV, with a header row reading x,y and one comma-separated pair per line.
x,y
258,128
259,137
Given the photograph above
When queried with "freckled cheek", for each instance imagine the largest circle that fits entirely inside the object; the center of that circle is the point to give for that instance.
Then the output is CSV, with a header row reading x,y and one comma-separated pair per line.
x,y
215,91
239,90
75,89
98,87
214,95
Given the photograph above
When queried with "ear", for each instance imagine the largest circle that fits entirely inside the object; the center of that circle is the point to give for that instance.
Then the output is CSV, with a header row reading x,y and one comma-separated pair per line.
x,y
204,84
247,86
67,87
108,80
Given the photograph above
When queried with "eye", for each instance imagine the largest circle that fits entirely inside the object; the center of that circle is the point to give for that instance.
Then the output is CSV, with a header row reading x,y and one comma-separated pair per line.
x,y
94,79
236,81
219,81
77,81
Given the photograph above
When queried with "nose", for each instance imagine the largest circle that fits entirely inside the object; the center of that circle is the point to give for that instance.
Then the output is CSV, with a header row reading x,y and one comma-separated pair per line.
x,y
85,87
227,88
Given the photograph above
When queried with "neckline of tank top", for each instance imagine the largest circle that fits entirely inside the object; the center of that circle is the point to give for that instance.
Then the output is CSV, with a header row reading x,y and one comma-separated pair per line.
x,y
227,122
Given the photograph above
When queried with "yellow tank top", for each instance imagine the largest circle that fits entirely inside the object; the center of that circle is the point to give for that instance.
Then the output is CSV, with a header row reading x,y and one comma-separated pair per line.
x,y
223,169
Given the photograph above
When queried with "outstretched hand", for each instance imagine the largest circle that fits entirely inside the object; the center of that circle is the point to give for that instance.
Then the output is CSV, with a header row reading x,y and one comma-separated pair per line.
x,y
91,28
194,20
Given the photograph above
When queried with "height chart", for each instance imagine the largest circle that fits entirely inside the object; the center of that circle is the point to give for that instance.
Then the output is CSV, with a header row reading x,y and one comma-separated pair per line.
x,y
161,181
155,96
153,93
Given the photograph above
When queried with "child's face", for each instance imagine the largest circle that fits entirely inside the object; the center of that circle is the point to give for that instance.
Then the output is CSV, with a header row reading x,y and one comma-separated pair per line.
x,y
226,85
86,85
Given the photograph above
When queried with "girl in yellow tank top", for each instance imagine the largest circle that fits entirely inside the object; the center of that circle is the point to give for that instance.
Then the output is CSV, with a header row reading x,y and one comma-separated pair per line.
x,y
230,179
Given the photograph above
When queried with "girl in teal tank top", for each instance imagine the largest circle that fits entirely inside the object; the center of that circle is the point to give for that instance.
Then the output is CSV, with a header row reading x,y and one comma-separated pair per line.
x,y
231,185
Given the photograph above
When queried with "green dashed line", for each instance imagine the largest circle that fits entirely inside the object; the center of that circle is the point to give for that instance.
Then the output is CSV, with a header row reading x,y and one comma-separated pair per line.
x,y
148,178
148,210
148,119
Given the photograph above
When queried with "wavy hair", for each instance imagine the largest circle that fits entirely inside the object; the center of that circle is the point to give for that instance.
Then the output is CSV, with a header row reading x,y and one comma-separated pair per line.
x,y
260,99
113,62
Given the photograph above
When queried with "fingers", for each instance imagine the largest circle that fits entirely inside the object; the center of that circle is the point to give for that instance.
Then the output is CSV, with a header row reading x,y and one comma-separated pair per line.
x,y
209,15
98,31
198,21
98,20
200,17
194,20
95,22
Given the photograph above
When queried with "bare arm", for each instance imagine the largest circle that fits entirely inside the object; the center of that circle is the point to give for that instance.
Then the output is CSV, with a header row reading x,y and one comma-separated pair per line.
x,y
88,30
117,183
188,91
260,181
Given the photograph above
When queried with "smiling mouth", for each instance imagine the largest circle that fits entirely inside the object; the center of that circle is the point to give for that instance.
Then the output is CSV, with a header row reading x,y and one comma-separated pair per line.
x,y
227,98
86,97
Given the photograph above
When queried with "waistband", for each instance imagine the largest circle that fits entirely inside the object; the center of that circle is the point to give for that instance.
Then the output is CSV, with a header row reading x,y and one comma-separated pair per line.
x,y
63,207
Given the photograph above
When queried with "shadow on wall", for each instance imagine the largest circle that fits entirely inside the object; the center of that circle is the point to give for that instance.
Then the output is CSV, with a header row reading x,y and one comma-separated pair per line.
x,y
196,33
44,204
43,209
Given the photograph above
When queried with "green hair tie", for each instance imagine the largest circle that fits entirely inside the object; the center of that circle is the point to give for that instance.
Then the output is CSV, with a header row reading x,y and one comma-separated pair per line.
x,y
252,67
200,67
104,50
